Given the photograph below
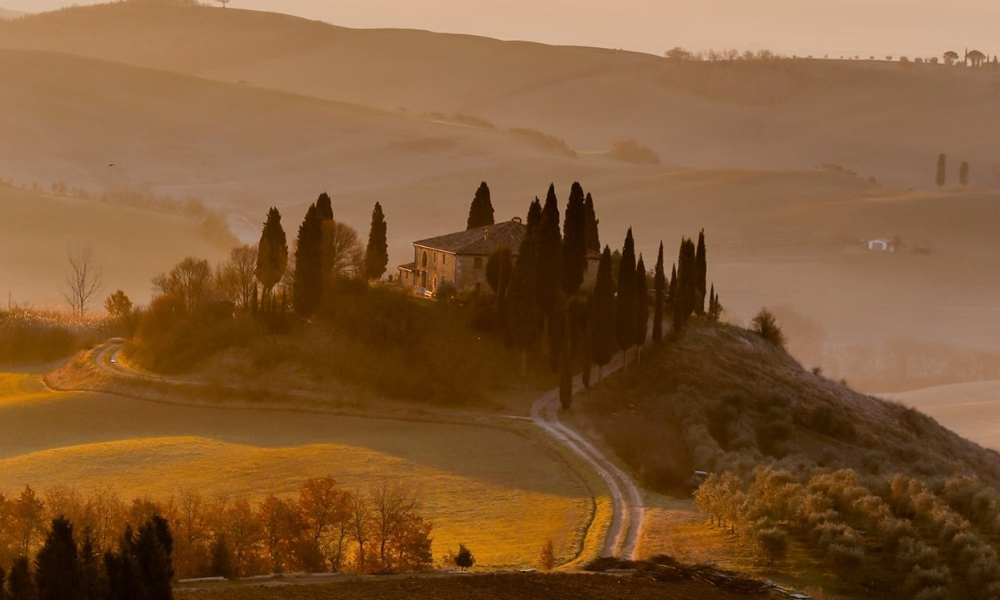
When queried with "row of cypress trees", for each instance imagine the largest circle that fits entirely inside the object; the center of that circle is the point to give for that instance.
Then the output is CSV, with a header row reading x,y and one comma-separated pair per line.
x,y
140,568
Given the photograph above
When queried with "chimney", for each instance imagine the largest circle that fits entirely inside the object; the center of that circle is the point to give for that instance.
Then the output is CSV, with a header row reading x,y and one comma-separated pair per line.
x,y
516,219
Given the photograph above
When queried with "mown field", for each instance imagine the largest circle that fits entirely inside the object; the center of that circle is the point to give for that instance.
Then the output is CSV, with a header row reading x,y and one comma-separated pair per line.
x,y
500,491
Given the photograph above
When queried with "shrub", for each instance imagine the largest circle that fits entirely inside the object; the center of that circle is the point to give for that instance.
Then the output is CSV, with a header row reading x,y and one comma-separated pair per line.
x,y
547,558
772,544
464,559
766,326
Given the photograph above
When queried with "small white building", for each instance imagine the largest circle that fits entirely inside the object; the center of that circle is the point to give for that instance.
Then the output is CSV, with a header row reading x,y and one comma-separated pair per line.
x,y
881,245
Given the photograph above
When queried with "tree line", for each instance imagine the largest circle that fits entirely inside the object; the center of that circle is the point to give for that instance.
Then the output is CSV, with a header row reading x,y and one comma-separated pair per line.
x,y
539,299
325,528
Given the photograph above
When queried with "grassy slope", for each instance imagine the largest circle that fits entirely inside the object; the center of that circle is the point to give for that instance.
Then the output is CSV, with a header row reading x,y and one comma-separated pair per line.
x,y
526,493
131,244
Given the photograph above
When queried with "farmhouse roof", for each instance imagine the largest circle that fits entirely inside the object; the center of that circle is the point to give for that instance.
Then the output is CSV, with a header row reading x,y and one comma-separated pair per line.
x,y
479,241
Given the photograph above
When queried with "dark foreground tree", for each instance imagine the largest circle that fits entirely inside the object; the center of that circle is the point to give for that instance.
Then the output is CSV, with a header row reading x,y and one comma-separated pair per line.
x,y
683,296
324,206
574,259
627,301
57,566
941,176
590,227
481,210
601,323
642,308
377,252
499,263
549,250
307,284
272,257
20,585
524,316
701,275
660,289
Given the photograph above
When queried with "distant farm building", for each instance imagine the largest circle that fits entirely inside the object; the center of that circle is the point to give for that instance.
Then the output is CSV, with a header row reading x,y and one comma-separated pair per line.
x,y
881,245
460,259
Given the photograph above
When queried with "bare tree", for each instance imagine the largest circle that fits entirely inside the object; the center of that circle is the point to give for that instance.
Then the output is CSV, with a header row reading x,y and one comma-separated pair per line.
x,y
84,281
235,278
223,2
343,254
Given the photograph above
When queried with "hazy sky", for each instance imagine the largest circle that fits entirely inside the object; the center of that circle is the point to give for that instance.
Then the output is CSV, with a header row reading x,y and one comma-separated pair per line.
x,y
803,27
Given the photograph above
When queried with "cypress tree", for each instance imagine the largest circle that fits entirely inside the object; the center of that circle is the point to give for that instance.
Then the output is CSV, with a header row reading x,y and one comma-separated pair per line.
x,y
499,262
941,171
534,217
963,174
57,566
324,207
660,287
701,274
590,225
574,259
272,256
377,252
642,307
20,585
524,317
684,299
481,210
626,302
673,285
601,319
549,248
307,285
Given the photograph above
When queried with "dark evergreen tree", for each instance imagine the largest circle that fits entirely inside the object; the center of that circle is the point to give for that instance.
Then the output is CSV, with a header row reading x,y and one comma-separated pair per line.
x,y
272,257
673,285
574,260
153,550
942,171
324,207
963,174
590,225
481,210
92,580
377,253
57,565
307,285
549,268
524,316
3,584
602,315
660,289
499,262
534,217
642,307
20,585
714,306
684,296
626,302
701,274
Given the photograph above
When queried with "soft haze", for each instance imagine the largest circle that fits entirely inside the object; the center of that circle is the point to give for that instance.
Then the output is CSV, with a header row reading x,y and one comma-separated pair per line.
x,y
793,27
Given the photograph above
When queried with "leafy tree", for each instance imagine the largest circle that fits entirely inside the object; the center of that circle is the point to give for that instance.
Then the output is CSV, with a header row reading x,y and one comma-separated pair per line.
x,y
590,225
190,281
324,206
627,301
481,210
549,249
57,566
701,274
602,310
642,307
307,283
377,253
941,171
963,174
574,260
660,287
766,326
272,256
20,585
464,559
118,305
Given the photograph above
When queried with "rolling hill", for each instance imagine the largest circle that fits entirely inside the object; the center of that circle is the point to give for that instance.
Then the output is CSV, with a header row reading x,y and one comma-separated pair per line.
x,y
9,14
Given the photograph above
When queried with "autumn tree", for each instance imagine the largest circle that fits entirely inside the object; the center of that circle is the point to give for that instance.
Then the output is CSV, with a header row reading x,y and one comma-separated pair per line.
x,y
272,256
574,258
307,284
601,328
660,288
481,210
84,280
626,301
377,253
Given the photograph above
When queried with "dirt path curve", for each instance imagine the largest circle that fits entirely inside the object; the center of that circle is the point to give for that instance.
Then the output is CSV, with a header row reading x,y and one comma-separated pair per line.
x,y
627,505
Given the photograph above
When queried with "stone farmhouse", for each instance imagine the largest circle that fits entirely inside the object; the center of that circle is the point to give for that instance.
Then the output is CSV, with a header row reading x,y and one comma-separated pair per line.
x,y
460,259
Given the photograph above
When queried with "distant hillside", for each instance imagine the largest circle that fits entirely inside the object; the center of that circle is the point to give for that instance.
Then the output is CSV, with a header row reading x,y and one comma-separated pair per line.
x,y
9,14
870,116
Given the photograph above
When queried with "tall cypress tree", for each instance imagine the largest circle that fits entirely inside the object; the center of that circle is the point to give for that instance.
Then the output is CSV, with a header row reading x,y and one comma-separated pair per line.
x,y
307,285
601,322
660,287
325,207
377,253
549,269
574,260
481,210
701,275
590,226
272,256
684,298
942,171
534,217
524,317
673,285
626,302
57,566
642,307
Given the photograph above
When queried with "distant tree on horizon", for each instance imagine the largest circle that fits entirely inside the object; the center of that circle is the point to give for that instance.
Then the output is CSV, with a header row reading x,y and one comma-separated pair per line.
x,y
940,179
377,252
481,210
223,2
464,559
963,174
660,288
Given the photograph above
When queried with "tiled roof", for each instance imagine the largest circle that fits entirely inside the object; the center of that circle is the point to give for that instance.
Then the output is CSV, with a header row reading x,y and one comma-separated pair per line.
x,y
481,241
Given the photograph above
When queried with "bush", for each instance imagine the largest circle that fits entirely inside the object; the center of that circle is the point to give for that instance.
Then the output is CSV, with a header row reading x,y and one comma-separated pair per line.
x,y
464,559
766,326
772,544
